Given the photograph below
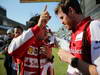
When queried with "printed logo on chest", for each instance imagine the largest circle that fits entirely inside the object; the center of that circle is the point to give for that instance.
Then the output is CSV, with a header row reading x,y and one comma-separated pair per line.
x,y
79,36
32,51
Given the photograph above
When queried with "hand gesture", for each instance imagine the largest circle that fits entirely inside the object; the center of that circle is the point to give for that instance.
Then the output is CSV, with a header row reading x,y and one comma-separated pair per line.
x,y
44,17
47,51
65,56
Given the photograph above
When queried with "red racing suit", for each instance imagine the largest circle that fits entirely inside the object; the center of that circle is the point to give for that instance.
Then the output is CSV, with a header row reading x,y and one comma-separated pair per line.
x,y
30,52
91,52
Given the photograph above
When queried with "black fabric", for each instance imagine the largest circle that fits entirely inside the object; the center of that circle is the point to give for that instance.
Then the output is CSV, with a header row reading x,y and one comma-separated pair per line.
x,y
86,47
8,59
51,59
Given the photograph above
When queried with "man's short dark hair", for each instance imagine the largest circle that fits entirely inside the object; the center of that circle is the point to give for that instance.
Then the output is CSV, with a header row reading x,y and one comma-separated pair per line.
x,y
65,4
33,21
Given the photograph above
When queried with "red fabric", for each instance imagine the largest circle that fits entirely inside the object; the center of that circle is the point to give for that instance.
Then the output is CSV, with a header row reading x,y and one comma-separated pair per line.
x,y
28,56
76,40
18,52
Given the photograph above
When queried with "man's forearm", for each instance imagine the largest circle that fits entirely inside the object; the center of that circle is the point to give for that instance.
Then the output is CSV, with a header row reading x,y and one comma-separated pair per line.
x,y
87,69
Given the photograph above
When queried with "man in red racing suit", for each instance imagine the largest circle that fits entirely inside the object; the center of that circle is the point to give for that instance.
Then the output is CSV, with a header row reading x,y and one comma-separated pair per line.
x,y
84,53
32,50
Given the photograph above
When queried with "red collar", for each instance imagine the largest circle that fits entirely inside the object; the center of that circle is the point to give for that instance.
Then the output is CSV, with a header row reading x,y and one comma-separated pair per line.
x,y
80,26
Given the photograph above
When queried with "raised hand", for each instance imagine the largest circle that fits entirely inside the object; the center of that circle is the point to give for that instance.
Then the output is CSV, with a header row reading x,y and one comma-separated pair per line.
x,y
44,17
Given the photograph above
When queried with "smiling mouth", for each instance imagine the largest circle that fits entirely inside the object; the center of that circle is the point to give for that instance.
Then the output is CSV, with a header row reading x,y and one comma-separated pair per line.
x,y
66,26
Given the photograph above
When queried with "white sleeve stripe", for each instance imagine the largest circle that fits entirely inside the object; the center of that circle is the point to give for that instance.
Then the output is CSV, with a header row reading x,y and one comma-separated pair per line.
x,y
17,42
95,41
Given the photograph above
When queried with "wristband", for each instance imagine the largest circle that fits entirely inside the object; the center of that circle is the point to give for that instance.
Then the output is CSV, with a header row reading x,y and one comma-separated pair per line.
x,y
74,62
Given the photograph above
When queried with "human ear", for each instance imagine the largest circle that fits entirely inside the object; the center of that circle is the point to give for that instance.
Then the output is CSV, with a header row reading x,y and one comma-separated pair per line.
x,y
71,10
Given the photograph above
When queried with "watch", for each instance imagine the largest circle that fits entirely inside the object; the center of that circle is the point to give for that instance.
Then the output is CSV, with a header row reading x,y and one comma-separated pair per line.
x,y
74,62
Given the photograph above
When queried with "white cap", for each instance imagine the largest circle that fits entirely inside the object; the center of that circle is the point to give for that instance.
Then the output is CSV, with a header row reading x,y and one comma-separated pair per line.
x,y
11,30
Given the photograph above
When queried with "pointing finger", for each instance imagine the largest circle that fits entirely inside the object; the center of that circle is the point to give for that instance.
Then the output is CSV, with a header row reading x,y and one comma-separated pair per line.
x,y
45,8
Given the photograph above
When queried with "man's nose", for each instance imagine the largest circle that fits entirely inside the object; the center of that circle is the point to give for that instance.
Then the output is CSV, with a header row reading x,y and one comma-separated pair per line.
x,y
62,22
